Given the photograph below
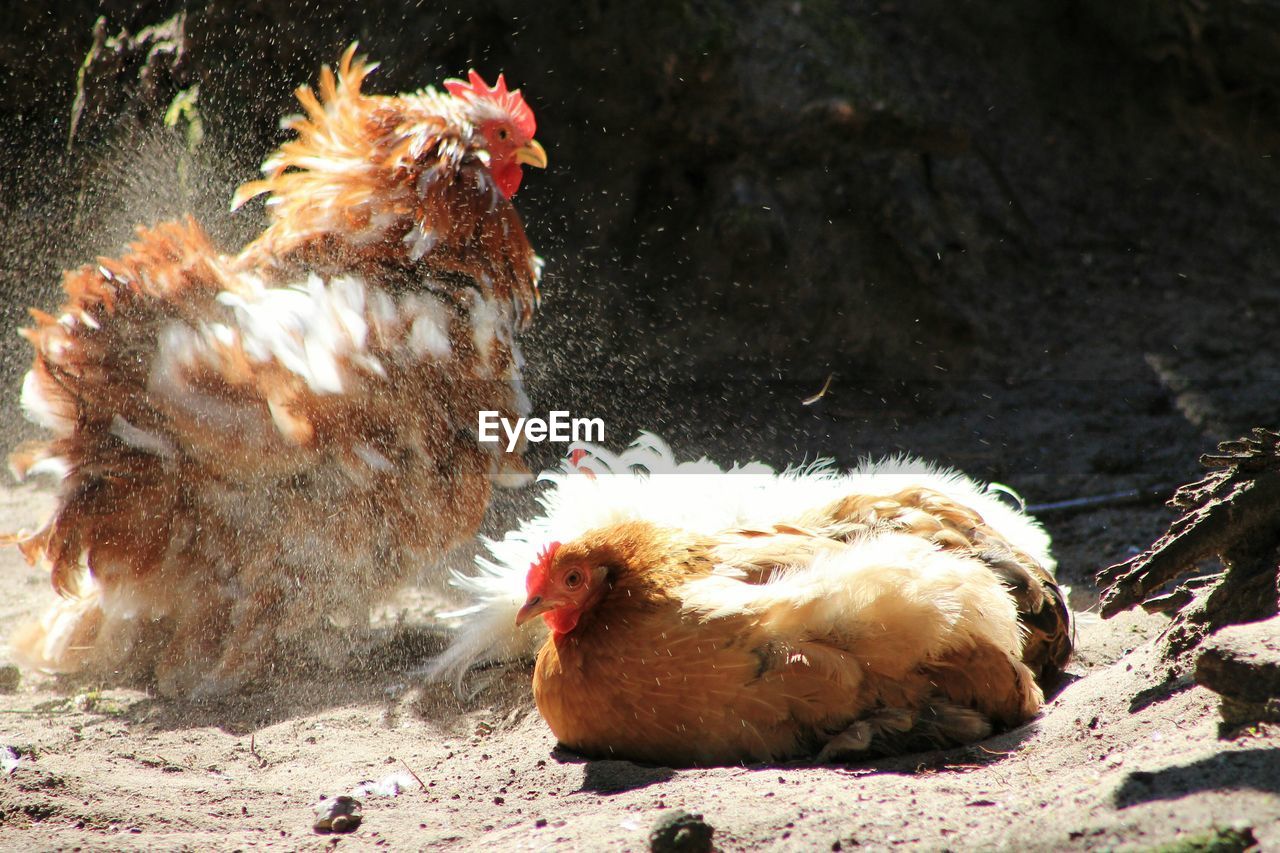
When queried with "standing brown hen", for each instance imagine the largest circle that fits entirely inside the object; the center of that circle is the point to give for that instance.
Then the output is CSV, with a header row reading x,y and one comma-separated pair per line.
x,y
254,448
913,610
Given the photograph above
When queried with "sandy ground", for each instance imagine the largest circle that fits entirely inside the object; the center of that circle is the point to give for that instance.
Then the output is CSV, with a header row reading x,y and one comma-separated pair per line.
x,y
1122,758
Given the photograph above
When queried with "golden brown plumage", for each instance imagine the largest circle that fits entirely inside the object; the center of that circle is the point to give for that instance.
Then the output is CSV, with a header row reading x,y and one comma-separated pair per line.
x,y
876,623
253,448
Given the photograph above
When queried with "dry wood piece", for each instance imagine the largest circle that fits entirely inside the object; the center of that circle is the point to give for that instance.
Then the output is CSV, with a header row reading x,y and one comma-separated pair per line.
x,y
1229,617
1233,513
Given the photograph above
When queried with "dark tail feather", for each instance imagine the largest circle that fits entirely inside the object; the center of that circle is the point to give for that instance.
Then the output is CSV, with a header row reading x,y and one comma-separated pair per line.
x,y
1042,612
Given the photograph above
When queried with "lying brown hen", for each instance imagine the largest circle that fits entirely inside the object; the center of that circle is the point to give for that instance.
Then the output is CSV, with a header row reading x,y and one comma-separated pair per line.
x,y
254,448
699,616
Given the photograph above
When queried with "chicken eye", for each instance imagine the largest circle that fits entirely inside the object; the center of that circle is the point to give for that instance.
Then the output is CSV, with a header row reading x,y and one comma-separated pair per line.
x,y
573,580
502,133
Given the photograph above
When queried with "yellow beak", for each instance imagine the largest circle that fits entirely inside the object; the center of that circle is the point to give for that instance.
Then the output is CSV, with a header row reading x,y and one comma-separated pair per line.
x,y
535,606
532,154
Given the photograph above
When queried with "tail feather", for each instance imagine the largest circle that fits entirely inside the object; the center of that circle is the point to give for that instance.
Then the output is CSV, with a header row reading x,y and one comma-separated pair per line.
x,y
1042,610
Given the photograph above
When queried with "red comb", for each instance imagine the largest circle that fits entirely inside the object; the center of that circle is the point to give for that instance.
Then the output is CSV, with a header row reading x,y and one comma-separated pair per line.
x,y
474,88
538,571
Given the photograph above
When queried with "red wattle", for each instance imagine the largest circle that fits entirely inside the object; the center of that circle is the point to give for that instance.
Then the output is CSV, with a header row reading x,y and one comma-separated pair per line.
x,y
507,176
561,621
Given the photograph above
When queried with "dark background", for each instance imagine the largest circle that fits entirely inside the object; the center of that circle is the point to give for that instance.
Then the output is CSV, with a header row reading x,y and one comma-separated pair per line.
x,y
1036,241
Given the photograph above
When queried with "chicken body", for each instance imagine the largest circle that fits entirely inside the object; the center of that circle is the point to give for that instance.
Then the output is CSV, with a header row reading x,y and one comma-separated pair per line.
x,y
875,623
254,448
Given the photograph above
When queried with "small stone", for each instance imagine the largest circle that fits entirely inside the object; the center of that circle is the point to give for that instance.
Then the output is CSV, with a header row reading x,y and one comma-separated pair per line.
x,y
681,832
338,814
10,678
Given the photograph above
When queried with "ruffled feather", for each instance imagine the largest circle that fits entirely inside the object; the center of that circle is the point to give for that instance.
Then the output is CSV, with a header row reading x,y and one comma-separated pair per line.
x,y
595,487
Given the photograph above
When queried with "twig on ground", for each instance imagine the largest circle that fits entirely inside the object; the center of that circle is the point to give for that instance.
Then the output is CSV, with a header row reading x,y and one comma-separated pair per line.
x,y
415,776
1128,497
